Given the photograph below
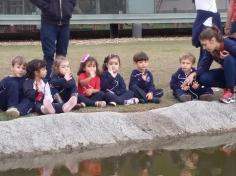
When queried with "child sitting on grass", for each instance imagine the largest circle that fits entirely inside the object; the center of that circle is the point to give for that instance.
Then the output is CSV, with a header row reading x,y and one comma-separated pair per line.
x,y
63,85
113,83
193,91
11,90
141,81
89,83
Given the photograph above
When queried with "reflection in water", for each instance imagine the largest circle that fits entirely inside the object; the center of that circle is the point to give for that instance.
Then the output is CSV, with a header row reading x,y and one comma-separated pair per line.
x,y
219,161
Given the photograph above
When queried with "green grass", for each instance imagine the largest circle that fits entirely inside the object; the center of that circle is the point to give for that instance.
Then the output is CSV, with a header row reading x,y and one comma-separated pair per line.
x,y
163,57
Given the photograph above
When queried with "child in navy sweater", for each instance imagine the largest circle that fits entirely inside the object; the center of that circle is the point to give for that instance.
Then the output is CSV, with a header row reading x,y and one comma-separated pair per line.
x,y
141,81
193,91
11,90
63,85
113,83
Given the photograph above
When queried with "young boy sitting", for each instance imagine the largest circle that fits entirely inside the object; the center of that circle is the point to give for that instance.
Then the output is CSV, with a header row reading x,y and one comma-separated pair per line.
x,y
11,90
141,81
194,91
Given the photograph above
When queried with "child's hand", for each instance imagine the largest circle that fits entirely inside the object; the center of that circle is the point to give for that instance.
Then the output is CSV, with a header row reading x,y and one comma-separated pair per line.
x,y
185,87
195,85
149,95
144,77
92,73
112,73
89,92
68,76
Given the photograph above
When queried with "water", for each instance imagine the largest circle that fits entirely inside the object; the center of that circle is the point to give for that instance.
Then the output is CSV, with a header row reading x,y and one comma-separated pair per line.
x,y
218,161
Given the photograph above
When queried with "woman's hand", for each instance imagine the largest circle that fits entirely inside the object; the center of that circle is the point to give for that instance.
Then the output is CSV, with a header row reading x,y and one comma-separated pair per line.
x,y
189,80
224,54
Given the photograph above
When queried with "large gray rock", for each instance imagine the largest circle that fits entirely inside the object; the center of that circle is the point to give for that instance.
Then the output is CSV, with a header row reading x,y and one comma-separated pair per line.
x,y
87,131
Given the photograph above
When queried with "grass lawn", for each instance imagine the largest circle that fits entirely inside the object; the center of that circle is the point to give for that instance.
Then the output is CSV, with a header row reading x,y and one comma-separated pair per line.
x,y
163,55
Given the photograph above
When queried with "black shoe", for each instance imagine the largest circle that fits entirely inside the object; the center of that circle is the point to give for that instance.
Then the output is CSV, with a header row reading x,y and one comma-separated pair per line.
x,y
155,100
142,101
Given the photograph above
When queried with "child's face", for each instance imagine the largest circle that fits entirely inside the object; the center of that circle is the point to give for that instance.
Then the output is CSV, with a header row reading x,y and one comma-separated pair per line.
x,y
90,67
209,45
64,68
113,65
18,70
186,65
142,65
41,73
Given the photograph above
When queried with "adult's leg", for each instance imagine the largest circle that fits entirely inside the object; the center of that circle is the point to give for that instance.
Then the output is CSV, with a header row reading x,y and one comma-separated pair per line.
x,y
213,78
229,65
63,37
48,36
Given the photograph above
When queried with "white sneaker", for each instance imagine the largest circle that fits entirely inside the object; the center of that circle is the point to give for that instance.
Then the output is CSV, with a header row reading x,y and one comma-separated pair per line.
x,y
70,104
12,112
131,101
112,103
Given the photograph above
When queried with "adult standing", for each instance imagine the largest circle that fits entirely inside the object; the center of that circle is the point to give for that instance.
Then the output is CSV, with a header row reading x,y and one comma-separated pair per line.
x,y
230,25
55,32
207,16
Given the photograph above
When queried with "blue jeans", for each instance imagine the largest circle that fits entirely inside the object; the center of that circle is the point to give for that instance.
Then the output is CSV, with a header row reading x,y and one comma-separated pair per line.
x,y
55,40
233,27
222,77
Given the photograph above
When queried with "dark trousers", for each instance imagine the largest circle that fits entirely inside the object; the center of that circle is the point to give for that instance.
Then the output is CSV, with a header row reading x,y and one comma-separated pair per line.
x,y
65,94
109,97
222,77
54,39
141,94
25,106
194,93
90,101
9,95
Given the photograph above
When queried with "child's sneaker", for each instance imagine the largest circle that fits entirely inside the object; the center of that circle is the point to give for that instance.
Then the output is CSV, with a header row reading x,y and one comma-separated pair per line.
x,y
228,97
70,104
131,101
155,100
12,112
185,97
100,104
112,103
47,107
206,97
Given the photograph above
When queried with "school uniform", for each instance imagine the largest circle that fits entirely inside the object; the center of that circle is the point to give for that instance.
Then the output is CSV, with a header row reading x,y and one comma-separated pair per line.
x,y
115,88
11,95
37,98
141,87
177,80
94,83
66,89
224,77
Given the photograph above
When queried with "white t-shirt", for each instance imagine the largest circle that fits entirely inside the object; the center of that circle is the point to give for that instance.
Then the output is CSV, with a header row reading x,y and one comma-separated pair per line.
x,y
207,5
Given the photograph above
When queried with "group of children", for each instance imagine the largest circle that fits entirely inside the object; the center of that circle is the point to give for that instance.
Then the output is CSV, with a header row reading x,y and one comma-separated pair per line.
x,y
27,89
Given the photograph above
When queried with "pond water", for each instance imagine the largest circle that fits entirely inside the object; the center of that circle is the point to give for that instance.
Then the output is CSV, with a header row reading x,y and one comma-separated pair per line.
x,y
218,161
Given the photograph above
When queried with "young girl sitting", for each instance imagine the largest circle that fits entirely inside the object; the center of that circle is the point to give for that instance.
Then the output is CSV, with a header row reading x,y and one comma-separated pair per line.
x,y
62,83
89,83
113,83
37,89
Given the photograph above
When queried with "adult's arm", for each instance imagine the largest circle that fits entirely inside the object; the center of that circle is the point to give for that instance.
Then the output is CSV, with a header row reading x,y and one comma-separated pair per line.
x,y
229,17
41,4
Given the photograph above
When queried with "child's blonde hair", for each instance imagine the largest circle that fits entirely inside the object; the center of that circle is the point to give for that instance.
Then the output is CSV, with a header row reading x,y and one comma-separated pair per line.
x,y
20,60
56,64
188,56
